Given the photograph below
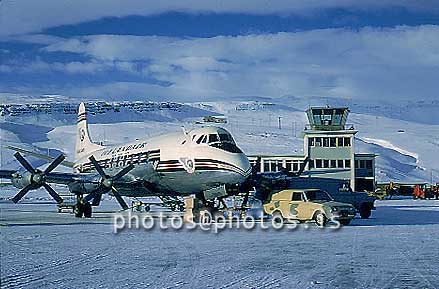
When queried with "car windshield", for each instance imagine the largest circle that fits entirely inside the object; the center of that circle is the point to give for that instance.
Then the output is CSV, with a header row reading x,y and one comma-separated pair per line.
x,y
317,196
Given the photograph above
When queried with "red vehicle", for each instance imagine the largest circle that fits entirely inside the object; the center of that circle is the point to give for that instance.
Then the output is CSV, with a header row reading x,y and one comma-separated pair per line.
x,y
418,192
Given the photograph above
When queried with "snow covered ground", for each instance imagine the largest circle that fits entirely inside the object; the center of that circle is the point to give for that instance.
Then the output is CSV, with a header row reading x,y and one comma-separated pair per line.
x,y
396,248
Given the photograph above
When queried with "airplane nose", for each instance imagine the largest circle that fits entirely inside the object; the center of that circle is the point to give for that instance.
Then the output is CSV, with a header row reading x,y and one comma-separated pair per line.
x,y
244,163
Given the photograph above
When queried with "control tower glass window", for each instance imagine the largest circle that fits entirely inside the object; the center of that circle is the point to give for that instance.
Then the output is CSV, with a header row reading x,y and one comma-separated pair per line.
x,y
327,118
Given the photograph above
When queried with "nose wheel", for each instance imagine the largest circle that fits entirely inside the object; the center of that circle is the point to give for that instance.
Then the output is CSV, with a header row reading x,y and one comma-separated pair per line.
x,y
82,208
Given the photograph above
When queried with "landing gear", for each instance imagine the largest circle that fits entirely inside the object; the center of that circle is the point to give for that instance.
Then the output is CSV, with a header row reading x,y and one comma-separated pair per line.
x,y
82,209
87,210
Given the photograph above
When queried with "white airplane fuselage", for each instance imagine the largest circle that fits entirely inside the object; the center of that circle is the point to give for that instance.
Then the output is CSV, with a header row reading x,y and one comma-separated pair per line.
x,y
183,162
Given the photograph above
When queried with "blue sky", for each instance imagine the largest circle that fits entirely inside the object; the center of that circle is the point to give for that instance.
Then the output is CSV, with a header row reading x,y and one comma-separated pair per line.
x,y
206,50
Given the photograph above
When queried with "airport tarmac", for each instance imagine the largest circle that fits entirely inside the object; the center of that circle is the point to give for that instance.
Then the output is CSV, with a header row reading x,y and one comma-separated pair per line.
x,y
396,248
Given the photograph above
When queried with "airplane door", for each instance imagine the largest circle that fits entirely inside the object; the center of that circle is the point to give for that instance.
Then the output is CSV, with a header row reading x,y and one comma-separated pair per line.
x,y
187,155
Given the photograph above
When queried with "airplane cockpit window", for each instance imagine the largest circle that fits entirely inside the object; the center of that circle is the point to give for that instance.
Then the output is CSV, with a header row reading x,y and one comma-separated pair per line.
x,y
225,137
213,138
202,139
224,142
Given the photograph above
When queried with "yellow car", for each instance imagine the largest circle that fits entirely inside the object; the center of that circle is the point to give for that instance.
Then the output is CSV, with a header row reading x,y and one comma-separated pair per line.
x,y
304,205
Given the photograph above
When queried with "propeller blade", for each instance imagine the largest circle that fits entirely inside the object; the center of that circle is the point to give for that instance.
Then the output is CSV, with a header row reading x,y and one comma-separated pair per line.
x,y
97,200
54,164
52,192
24,162
302,167
123,172
256,166
98,167
21,193
119,199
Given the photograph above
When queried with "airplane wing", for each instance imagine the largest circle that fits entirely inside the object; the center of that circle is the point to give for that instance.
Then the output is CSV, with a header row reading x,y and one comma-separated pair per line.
x,y
39,155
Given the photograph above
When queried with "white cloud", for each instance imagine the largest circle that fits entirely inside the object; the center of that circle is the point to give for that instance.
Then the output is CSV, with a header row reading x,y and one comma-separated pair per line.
x,y
73,67
376,64
20,17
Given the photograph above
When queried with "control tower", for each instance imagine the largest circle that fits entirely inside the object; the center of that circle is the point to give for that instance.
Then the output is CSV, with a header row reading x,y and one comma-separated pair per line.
x,y
329,143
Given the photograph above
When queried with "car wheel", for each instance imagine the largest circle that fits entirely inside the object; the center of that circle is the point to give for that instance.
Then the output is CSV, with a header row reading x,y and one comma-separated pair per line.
x,y
365,211
277,217
320,219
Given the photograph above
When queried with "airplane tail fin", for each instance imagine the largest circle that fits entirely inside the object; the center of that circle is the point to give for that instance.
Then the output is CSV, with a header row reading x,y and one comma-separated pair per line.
x,y
84,145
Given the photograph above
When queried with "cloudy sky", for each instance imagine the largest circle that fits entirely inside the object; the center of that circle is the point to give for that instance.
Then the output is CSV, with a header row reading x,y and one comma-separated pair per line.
x,y
370,50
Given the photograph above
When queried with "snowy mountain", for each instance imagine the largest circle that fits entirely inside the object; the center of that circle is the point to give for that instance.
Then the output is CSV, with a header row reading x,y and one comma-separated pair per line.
x,y
407,146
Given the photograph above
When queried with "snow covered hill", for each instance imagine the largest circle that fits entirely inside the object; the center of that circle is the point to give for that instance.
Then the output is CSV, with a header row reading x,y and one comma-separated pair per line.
x,y
407,147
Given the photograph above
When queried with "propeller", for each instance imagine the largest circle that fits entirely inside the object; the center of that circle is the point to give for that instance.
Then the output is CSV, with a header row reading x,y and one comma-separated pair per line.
x,y
256,167
37,178
286,172
107,184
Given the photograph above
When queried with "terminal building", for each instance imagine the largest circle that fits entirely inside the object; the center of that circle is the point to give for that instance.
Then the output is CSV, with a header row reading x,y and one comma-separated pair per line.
x,y
329,143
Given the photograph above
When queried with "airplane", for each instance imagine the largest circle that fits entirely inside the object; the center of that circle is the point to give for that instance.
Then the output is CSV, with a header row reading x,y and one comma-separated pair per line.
x,y
203,161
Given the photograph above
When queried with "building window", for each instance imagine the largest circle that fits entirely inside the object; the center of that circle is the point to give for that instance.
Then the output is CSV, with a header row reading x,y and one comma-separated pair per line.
x,y
362,164
326,142
280,163
326,164
318,141
311,141
318,163
333,142
266,166
340,164
333,164
288,165
347,141
357,164
296,166
347,163
340,141
311,165
369,164
274,167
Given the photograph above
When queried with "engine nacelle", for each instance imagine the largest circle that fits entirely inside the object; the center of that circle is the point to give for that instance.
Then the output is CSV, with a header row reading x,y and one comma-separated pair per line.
x,y
21,180
83,188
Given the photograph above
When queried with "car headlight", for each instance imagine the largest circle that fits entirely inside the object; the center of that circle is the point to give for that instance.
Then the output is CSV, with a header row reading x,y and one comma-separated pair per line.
x,y
334,209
